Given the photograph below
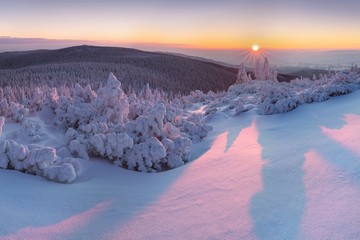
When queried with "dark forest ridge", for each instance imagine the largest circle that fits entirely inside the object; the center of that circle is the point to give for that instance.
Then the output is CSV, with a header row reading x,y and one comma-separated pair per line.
x,y
18,59
135,68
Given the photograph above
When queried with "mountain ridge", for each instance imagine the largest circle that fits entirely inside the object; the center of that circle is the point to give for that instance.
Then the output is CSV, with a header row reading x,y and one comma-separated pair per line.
x,y
136,68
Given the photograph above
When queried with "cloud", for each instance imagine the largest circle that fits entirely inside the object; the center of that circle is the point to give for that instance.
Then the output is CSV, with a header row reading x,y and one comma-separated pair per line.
x,y
8,43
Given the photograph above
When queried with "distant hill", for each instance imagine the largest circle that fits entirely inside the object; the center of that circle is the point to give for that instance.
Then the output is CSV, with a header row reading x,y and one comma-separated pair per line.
x,y
302,71
135,68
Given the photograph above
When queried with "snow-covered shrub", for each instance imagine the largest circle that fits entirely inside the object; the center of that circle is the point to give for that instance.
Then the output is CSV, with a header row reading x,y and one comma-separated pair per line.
x,y
36,101
78,147
32,128
177,151
275,98
2,121
198,96
109,105
73,161
138,107
94,127
41,161
271,97
145,156
112,145
64,173
194,130
110,125
17,112
155,120
239,109
52,98
171,131
144,130
17,153
71,134
4,159
286,105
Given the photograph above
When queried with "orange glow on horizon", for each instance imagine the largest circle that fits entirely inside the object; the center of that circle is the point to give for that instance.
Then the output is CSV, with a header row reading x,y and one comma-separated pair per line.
x,y
214,26
206,42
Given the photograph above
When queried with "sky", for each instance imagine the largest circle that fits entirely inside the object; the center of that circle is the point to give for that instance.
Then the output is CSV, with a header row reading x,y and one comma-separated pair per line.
x,y
188,24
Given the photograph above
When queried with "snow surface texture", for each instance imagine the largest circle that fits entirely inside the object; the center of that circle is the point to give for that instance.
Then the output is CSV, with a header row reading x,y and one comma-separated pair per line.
x,y
284,176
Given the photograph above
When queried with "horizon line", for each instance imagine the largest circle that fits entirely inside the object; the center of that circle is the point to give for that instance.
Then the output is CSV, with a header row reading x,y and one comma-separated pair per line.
x,y
23,41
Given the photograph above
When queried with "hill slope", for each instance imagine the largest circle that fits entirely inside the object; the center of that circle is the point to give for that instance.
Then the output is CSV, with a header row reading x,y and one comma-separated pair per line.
x,y
89,64
242,178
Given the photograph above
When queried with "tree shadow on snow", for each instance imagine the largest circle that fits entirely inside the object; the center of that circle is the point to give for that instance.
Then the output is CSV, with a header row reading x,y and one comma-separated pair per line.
x,y
244,121
96,205
277,210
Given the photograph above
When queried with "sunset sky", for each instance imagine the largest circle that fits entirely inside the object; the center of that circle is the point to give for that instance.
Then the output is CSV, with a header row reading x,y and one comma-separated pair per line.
x,y
284,24
289,32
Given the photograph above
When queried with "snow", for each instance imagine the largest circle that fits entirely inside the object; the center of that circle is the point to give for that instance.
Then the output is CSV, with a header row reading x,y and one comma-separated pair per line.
x,y
286,176
126,130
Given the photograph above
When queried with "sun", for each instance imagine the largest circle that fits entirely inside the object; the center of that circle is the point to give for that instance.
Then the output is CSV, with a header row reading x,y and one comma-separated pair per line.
x,y
255,48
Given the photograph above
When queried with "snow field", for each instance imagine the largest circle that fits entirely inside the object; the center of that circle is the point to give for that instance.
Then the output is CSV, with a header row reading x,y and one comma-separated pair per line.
x,y
145,133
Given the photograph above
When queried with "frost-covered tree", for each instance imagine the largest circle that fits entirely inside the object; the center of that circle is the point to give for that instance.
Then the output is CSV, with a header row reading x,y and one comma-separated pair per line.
x,y
355,68
242,76
258,71
130,131
264,71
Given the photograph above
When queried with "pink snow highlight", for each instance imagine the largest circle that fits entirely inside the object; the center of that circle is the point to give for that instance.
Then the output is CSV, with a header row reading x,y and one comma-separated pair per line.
x,y
61,229
345,136
204,203
332,201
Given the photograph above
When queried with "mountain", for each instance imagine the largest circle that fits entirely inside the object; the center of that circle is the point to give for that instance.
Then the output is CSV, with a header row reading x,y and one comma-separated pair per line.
x,y
135,68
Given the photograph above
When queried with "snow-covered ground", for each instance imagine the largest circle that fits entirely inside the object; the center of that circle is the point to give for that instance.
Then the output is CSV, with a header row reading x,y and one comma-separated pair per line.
x,y
285,176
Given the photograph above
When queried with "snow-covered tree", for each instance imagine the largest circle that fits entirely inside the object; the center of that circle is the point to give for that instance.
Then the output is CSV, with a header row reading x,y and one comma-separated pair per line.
x,y
242,76
355,68
258,71
265,72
